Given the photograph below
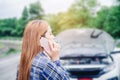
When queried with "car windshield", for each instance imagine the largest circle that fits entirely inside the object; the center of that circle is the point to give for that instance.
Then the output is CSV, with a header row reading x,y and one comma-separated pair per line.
x,y
87,60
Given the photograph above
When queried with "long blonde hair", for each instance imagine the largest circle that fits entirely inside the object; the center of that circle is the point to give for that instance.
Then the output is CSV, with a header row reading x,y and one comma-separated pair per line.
x,y
31,46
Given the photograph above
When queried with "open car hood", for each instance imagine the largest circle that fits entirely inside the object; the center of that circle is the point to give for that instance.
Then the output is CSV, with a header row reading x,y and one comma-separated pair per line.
x,y
85,41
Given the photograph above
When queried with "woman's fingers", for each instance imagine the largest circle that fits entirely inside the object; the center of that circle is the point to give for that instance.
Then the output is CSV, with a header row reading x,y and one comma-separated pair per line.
x,y
50,44
54,50
56,45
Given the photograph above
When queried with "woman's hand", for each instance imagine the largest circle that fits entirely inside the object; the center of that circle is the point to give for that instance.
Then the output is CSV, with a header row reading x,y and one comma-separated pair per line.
x,y
54,50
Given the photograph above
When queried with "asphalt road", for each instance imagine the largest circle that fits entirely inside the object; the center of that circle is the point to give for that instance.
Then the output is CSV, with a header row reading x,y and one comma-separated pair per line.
x,y
8,67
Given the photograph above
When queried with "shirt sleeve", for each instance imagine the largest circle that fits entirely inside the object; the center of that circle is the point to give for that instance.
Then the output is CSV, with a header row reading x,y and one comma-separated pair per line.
x,y
54,71
57,62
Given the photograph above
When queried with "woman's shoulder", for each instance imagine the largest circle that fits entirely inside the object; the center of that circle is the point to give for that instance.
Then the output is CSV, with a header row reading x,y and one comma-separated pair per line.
x,y
40,60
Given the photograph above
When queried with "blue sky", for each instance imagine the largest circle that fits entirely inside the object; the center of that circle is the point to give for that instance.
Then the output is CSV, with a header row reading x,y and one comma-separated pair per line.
x,y
14,8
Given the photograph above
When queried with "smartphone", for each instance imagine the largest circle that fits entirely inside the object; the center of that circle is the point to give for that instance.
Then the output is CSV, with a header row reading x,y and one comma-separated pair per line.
x,y
45,44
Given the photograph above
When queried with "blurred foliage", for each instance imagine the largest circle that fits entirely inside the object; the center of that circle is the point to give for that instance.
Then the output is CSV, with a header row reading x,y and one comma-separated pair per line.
x,y
7,27
81,14
77,16
14,27
36,11
108,20
11,50
112,23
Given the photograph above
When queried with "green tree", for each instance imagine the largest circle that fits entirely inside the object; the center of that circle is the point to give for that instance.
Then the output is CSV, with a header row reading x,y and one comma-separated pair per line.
x,y
22,22
25,14
80,12
100,19
112,23
15,27
36,11
108,19
7,27
77,16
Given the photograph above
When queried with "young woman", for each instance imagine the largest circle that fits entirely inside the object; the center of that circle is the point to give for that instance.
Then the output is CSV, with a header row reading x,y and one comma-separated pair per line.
x,y
40,54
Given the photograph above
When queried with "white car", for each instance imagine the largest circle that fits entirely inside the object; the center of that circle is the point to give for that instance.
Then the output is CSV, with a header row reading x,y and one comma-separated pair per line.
x,y
89,54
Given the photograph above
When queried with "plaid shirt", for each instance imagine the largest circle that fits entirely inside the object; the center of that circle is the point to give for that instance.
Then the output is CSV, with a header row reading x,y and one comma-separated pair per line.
x,y
45,69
